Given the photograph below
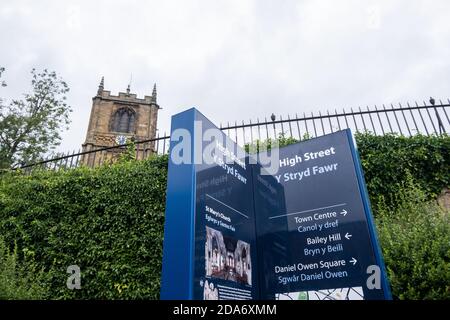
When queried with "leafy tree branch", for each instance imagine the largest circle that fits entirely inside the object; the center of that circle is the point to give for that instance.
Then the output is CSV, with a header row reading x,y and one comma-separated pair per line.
x,y
31,126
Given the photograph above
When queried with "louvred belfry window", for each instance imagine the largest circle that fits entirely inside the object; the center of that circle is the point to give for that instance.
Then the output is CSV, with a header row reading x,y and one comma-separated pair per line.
x,y
124,120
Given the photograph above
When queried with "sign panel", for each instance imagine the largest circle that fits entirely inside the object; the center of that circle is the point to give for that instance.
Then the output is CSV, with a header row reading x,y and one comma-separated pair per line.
x,y
218,212
315,225
225,237
234,232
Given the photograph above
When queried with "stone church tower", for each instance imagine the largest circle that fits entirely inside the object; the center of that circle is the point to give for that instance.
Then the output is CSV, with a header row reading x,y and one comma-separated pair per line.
x,y
116,120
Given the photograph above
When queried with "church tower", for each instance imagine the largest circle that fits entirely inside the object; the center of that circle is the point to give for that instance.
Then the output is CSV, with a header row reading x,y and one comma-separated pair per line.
x,y
116,120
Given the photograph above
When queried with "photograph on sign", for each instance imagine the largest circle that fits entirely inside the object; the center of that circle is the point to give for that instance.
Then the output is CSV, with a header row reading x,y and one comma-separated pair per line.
x,y
227,258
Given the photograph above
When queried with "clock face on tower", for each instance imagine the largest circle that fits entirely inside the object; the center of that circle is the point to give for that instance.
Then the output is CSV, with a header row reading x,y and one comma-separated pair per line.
x,y
121,139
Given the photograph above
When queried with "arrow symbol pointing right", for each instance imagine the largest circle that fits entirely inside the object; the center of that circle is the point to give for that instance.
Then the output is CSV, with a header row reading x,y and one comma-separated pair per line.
x,y
344,212
353,261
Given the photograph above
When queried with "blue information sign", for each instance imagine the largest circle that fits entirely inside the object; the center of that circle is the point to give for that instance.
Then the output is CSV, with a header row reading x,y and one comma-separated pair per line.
x,y
210,239
234,232
315,228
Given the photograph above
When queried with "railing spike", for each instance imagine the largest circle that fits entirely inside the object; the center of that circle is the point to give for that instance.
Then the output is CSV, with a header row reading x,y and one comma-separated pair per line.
x,y
412,116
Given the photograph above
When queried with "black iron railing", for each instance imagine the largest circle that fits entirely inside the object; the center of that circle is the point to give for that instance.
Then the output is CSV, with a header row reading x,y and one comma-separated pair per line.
x,y
404,120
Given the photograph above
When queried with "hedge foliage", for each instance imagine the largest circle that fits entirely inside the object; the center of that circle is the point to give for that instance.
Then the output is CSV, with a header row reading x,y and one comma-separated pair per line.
x,y
20,279
109,220
389,159
415,240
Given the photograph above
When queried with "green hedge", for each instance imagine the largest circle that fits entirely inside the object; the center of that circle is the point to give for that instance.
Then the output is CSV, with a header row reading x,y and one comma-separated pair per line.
x,y
20,279
387,160
415,239
109,220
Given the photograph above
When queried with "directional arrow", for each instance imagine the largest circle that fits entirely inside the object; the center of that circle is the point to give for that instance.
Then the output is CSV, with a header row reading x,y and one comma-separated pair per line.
x,y
344,212
348,236
353,261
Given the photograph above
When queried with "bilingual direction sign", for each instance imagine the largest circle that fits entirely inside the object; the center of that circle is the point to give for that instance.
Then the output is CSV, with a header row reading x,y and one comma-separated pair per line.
x,y
234,231
315,231
209,236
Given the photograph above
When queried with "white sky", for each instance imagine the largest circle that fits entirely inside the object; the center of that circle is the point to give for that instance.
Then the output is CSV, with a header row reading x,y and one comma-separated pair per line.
x,y
232,59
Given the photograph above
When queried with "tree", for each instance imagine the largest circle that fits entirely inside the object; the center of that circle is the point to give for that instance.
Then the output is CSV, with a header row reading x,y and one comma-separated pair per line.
x,y
30,127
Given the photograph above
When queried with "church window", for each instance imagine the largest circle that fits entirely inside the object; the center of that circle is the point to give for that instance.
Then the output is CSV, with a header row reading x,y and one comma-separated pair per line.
x,y
124,120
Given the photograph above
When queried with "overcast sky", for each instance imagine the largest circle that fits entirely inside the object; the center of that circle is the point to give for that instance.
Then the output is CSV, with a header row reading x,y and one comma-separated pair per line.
x,y
233,60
